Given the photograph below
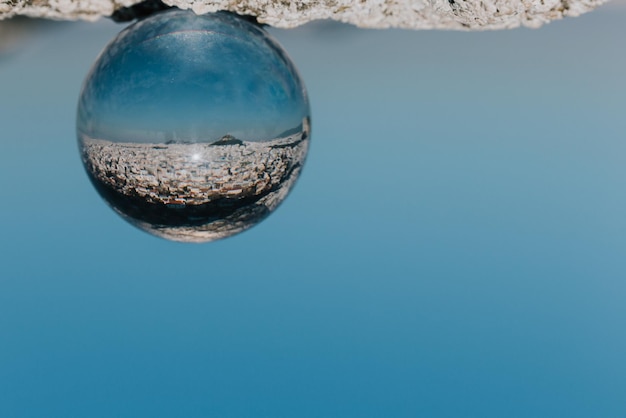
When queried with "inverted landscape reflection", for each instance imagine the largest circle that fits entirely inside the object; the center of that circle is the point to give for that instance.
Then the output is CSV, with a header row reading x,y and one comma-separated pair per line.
x,y
193,128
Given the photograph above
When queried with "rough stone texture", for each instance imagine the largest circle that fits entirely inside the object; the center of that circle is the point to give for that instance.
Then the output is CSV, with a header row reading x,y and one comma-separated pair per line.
x,y
195,192
413,14
193,174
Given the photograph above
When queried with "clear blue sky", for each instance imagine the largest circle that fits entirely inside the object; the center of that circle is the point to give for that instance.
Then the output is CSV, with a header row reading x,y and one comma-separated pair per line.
x,y
192,78
455,246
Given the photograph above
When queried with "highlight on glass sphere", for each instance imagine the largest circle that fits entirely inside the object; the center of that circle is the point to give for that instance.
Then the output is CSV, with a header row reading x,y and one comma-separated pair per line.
x,y
193,128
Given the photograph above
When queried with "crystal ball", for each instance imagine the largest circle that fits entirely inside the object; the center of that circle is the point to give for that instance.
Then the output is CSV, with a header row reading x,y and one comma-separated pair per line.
x,y
193,128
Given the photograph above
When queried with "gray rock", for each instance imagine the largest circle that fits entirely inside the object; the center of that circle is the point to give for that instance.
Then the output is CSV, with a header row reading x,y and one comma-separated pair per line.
x,y
410,14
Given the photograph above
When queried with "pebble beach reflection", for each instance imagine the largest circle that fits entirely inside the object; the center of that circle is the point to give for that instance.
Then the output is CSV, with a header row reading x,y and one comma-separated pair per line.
x,y
193,128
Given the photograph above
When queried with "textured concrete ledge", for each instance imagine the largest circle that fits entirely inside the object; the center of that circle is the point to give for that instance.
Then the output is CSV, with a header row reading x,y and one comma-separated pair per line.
x,y
410,14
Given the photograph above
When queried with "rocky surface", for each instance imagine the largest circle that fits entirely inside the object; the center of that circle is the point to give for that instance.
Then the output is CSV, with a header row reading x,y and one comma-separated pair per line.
x,y
198,191
411,14
192,174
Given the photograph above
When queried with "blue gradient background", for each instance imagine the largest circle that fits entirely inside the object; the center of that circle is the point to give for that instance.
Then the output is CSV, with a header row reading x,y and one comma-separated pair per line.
x,y
455,246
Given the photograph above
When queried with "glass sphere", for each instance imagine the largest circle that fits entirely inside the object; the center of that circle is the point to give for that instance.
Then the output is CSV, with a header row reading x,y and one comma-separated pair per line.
x,y
193,128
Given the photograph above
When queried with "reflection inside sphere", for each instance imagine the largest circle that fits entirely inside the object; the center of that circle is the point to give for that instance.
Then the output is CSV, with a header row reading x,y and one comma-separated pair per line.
x,y
193,128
